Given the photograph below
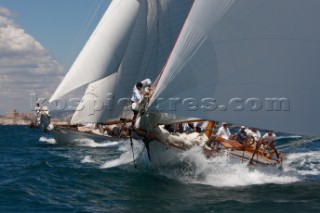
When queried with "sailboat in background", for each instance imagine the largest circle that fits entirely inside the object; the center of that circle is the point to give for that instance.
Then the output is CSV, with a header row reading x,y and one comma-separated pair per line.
x,y
131,43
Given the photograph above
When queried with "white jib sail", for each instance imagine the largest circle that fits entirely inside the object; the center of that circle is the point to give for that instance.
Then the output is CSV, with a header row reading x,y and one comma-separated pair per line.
x,y
102,54
110,95
247,62
98,99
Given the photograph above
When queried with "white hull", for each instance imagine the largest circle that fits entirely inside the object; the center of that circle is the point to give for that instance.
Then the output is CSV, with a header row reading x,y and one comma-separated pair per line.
x,y
165,146
164,155
70,136
161,154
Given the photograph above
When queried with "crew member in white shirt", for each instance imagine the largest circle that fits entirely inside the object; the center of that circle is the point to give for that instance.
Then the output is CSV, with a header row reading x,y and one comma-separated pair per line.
x,y
137,95
224,131
270,139
254,133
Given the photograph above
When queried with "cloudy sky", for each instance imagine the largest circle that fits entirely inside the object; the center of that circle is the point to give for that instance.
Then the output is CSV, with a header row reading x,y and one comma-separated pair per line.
x,y
39,39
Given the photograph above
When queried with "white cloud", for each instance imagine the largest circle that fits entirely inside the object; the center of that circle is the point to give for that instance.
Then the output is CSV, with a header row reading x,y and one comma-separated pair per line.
x,y
5,12
25,65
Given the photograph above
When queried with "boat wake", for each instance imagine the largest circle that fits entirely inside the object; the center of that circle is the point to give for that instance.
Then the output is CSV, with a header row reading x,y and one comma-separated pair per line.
x,y
47,140
126,157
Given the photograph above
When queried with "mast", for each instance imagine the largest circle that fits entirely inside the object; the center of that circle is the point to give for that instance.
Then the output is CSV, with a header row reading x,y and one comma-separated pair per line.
x,y
209,129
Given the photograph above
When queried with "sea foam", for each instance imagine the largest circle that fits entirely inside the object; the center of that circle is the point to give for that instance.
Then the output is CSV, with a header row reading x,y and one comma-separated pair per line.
x,y
222,171
128,155
93,144
47,140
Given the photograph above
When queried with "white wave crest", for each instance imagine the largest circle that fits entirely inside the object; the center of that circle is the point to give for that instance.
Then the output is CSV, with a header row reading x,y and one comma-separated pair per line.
x,y
300,142
306,163
91,143
289,137
87,159
47,140
126,157
222,171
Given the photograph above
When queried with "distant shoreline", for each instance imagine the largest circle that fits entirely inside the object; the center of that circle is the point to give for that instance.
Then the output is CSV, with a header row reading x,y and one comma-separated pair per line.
x,y
14,121
24,122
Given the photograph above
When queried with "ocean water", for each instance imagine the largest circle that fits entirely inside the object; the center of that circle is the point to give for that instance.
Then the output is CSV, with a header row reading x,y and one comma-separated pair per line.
x,y
38,175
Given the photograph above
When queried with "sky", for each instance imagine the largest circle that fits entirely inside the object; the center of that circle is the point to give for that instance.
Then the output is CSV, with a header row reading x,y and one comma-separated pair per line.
x,y
39,40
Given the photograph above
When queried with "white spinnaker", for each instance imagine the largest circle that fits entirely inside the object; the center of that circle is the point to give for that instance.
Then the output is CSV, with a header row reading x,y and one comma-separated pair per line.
x,y
240,53
156,29
103,53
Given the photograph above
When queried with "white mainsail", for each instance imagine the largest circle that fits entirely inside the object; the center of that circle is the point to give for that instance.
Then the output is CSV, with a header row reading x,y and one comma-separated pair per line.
x,y
104,51
155,31
247,62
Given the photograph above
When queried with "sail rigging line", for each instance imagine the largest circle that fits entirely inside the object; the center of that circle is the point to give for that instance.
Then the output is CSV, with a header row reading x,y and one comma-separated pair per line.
x,y
85,29
161,73
131,143
146,142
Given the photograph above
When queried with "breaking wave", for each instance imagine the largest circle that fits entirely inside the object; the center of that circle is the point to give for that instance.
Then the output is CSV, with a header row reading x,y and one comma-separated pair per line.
x,y
87,159
297,143
127,155
305,164
93,144
289,137
222,171
47,140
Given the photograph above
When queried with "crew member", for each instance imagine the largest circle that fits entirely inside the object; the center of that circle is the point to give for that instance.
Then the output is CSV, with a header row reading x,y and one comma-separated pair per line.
x,y
270,141
137,95
224,131
242,135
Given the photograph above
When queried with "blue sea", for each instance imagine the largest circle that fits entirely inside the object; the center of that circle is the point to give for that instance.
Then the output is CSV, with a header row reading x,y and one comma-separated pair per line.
x,y
39,175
